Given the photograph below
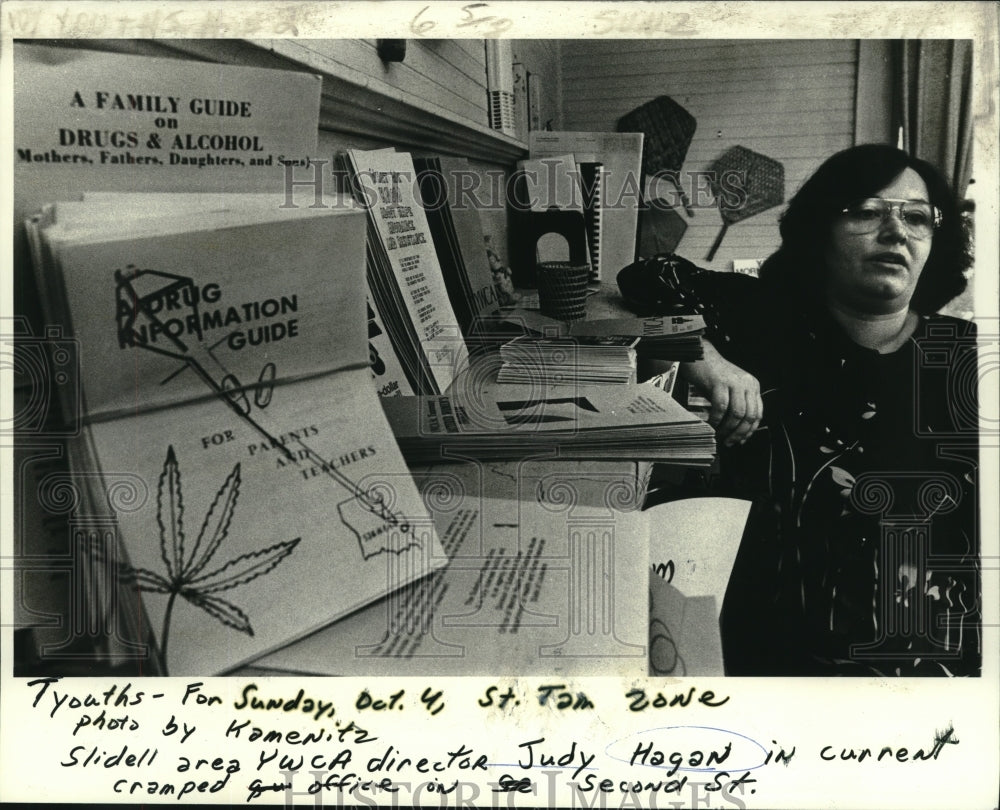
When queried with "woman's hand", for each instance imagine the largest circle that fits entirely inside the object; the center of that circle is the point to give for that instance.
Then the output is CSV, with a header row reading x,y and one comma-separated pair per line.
x,y
737,407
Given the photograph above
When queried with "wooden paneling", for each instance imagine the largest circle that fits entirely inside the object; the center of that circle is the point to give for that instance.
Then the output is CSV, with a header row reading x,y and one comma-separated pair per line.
x,y
437,74
791,100
542,58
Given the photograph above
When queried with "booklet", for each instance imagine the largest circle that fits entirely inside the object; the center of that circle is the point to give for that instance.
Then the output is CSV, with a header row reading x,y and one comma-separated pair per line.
x,y
404,274
453,217
389,376
691,560
224,361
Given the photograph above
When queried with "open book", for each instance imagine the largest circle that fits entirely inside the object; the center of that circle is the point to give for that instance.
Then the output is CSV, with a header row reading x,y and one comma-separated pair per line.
x,y
491,421
546,575
223,364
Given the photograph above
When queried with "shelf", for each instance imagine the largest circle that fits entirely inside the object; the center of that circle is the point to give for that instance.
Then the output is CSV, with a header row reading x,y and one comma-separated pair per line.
x,y
355,103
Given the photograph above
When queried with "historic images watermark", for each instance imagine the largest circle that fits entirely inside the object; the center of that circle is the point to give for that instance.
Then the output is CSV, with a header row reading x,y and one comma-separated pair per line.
x,y
309,183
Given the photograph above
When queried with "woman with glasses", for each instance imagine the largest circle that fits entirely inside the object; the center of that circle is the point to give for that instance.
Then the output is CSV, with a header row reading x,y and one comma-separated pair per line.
x,y
845,409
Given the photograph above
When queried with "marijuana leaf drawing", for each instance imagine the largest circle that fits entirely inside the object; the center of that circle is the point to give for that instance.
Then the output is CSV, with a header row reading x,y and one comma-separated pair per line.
x,y
184,570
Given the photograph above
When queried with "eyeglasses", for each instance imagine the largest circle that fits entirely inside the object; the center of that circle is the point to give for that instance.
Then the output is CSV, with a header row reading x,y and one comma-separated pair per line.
x,y
866,216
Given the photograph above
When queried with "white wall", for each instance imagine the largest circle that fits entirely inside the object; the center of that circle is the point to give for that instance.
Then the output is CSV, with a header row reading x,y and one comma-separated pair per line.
x,y
791,100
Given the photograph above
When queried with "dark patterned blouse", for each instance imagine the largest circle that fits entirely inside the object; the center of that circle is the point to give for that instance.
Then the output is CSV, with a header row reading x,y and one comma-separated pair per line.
x,y
861,554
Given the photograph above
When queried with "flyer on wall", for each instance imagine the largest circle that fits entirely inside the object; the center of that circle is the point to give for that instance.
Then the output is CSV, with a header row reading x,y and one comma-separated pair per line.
x,y
194,448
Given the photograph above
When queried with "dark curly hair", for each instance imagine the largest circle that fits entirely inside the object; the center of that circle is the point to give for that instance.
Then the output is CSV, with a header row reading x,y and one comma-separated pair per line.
x,y
862,171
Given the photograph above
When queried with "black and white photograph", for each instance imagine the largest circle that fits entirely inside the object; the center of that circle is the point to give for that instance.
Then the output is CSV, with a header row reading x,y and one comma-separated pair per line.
x,y
558,404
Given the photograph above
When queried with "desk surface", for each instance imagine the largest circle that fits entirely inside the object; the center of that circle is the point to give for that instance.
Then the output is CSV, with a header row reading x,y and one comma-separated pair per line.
x,y
607,302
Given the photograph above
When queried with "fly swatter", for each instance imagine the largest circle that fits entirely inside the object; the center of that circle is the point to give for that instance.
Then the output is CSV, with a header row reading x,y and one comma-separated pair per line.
x,y
667,132
745,183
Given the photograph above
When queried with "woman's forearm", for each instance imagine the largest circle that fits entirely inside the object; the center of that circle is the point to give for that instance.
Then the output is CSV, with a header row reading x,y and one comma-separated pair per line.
x,y
737,407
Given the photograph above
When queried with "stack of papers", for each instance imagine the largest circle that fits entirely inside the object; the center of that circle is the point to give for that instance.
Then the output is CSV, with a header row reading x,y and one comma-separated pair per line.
x,y
667,337
407,288
454,223
609,360
222,366
601,422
